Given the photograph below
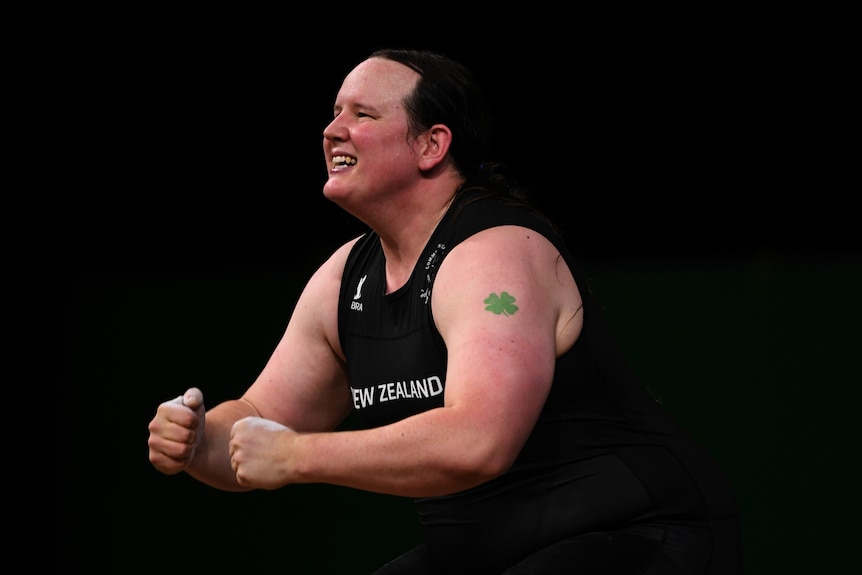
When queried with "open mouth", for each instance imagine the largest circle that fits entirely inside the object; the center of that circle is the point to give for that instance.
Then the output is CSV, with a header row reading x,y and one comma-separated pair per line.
x,y
342,162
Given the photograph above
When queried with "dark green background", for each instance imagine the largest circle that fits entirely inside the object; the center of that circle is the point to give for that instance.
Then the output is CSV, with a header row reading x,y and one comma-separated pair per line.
x,y
693,172
765,376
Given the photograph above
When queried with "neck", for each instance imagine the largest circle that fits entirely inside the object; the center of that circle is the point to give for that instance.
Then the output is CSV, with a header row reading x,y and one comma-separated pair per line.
x,y
404,235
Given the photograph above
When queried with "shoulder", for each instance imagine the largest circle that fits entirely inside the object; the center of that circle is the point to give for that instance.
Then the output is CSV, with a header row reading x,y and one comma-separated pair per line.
x,y
336,261
500,258
316,311
474,212
510,271
326,280
505,246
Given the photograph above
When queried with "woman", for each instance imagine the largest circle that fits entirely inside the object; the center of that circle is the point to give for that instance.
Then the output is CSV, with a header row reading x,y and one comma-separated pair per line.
x,y
483,380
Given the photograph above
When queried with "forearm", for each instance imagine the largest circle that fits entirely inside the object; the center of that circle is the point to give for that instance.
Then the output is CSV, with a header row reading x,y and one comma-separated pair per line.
x,y
211,463
434,453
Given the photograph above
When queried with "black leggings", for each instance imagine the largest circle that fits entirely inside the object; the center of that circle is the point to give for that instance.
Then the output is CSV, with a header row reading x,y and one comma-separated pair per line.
x,y
604,553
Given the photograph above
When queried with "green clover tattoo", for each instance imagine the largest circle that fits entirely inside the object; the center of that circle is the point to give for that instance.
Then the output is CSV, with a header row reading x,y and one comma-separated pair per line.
x,y
501,304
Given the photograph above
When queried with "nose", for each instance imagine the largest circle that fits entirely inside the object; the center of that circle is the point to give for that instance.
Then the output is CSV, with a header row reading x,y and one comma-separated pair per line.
x,y
334,130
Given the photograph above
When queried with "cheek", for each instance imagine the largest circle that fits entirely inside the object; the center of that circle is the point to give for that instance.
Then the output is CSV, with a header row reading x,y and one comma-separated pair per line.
x,y
389,151
396,166
371,137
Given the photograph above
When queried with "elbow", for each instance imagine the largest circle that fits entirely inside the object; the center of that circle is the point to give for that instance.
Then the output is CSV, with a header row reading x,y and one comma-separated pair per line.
x,y
480,464
496,461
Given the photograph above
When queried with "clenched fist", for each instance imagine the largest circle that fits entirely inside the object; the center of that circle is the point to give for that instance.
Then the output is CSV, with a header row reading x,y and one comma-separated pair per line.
x,y
260,452
176,431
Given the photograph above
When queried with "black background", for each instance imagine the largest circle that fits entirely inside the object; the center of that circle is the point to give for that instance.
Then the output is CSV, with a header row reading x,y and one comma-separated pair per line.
x,y
200,148
699,170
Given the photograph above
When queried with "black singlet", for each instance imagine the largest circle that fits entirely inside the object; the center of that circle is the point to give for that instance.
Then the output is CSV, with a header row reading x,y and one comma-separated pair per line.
x,y
603,458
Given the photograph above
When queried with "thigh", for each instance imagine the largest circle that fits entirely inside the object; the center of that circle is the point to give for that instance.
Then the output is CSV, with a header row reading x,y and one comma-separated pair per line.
x,y
599,553
414,562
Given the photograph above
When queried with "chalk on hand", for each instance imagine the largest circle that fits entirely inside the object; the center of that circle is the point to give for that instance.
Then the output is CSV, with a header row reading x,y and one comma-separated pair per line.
x,y
193,398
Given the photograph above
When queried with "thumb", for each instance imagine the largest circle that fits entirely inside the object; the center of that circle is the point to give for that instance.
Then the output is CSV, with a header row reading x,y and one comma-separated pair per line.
x,y
193,398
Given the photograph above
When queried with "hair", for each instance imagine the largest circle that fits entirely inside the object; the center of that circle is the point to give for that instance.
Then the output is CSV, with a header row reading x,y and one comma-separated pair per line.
x,y
447,92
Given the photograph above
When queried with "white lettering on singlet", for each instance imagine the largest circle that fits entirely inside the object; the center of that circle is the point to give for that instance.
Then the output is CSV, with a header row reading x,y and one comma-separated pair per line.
x,y
397,390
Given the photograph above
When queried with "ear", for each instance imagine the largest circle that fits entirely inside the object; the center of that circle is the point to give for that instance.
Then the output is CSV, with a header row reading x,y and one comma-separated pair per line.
x,y
433,146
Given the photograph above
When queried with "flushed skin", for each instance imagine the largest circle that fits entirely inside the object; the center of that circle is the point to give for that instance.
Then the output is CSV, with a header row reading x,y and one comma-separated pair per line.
x,y
534,402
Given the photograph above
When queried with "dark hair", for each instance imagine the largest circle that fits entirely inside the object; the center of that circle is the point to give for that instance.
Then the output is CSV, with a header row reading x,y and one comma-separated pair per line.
x,y
448,93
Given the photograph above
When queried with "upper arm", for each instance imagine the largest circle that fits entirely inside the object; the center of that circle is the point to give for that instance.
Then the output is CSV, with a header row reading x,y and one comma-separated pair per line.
x,y
499,301
304,383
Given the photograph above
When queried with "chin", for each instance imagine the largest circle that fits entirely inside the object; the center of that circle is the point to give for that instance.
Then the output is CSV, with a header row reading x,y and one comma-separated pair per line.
x,y
335,193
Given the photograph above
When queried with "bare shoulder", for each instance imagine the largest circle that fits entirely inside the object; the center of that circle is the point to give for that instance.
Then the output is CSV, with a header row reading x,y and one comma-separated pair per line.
x,y
317,308
506,251
334,264
308,362
326,280
508,270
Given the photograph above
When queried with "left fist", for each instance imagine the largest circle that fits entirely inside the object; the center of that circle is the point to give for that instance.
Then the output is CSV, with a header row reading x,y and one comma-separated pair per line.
x,y
259,452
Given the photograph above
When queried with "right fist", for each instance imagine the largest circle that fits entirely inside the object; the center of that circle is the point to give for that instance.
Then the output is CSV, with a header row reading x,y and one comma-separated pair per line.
x,y
176,431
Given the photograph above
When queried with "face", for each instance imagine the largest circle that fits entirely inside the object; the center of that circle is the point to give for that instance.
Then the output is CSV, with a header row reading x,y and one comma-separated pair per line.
x,y
368,154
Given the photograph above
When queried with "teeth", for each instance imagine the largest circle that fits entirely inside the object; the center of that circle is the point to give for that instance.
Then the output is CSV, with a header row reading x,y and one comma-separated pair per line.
x,y
342,161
